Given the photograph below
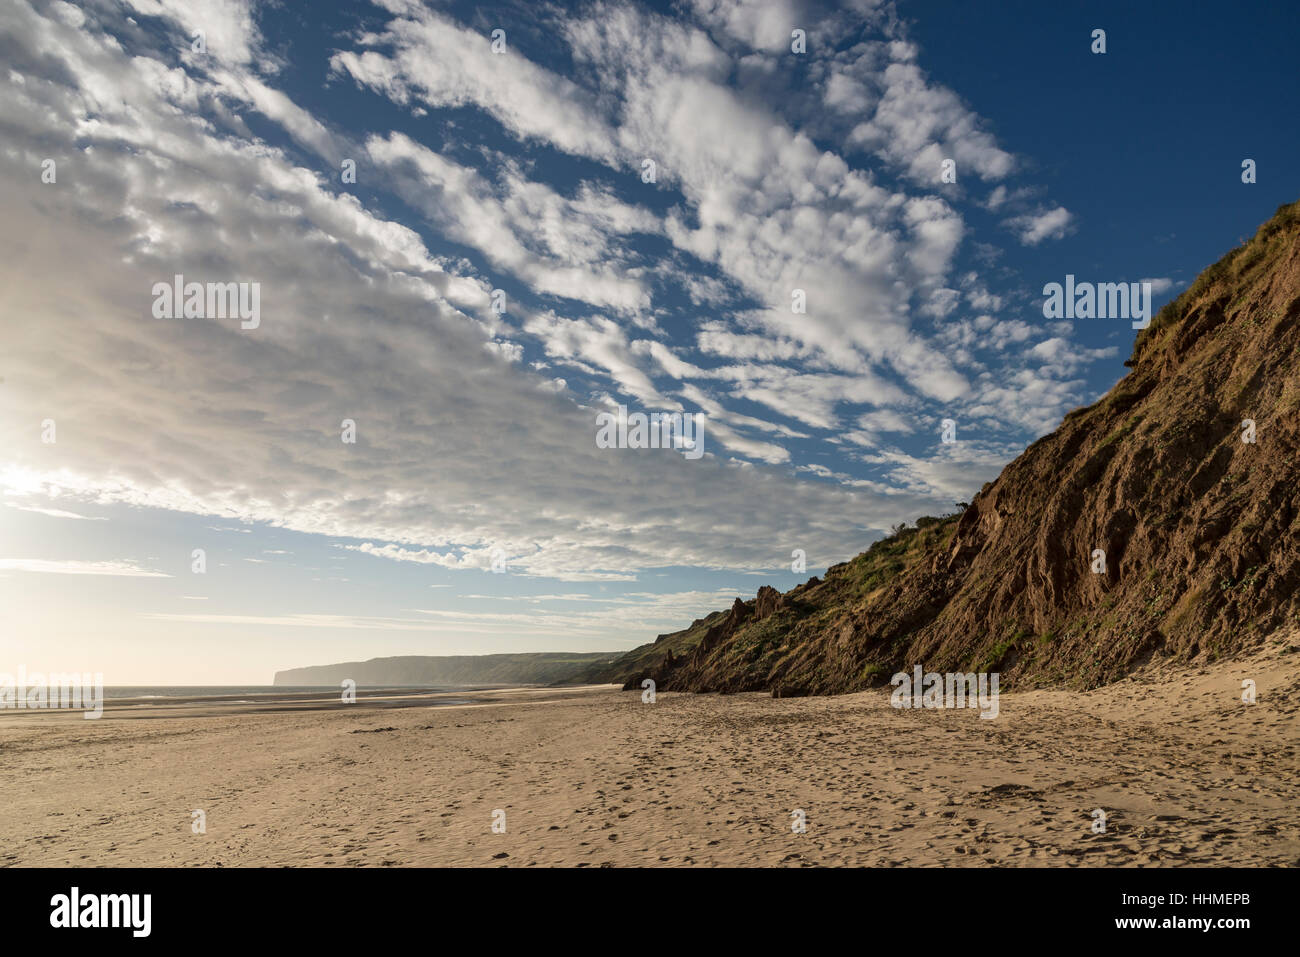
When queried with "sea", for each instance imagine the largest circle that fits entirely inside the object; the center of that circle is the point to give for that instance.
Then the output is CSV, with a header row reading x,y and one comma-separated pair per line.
x,y
225,691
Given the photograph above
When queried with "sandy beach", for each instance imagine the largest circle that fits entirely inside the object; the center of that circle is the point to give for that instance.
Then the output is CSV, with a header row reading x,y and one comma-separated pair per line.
x,y
1186,773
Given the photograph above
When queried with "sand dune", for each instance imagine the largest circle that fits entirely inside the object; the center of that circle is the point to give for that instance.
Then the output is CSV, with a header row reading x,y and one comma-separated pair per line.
x,y
1186,773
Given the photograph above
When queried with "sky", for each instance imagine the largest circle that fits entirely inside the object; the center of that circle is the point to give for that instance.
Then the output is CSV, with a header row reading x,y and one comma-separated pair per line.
x,y
722,207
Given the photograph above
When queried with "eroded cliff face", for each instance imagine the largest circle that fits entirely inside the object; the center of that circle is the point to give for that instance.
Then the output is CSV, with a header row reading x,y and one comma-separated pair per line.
x,y
1186,475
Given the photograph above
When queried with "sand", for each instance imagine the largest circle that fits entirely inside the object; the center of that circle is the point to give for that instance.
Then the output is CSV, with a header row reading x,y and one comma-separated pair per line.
x,y
1186,773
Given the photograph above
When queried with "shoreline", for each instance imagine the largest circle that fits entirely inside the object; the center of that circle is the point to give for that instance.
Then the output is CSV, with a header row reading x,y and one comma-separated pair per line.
x,y
150,706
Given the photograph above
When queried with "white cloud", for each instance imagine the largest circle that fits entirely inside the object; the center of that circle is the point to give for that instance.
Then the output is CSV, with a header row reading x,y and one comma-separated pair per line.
x,y
444,64
1161,286
917,125
1033,228
55,512
461,446
43,566
229,32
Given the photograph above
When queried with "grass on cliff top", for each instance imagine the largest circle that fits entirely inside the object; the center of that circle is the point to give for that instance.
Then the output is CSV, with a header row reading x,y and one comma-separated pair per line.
x,y
757,644
646,658
885,559
1230,267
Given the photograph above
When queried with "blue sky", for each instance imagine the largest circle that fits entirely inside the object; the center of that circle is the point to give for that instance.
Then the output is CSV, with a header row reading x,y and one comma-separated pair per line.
x,y
521,171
